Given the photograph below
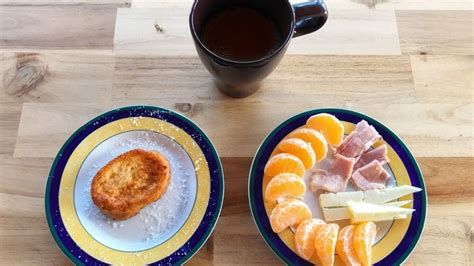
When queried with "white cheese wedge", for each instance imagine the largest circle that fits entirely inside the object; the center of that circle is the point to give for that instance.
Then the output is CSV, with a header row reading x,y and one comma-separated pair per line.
x,y
388,194
339,199
343,213
376,196
367,212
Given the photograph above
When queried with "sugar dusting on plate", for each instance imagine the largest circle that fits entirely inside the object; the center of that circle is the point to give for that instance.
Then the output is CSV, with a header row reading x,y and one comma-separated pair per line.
x,y
157,219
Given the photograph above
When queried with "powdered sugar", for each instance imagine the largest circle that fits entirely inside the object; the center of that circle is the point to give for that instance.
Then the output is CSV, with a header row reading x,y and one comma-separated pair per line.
x,y
156,222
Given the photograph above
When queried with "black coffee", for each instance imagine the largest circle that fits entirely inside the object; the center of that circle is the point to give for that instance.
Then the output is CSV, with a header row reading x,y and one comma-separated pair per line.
x,y
240,34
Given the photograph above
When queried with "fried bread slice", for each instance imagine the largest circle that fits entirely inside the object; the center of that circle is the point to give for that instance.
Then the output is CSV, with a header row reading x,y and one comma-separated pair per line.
x,y
130,182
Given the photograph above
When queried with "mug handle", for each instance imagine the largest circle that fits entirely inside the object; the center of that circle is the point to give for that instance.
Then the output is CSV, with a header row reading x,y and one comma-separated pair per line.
x,y
309,17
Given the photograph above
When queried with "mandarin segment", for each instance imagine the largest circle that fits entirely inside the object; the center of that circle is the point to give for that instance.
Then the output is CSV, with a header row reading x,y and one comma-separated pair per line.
x,y
345,246
304,237
300,149
329,126
287,213
284,163
315,138
284,185
364,237
325,243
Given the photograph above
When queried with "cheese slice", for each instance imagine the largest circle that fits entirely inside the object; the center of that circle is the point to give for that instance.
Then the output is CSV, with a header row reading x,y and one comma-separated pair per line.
x,y
367,212
376,196
340,199
343,213
385,195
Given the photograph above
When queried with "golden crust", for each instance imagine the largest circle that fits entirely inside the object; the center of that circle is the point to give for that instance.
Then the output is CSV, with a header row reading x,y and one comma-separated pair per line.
x,y
130,182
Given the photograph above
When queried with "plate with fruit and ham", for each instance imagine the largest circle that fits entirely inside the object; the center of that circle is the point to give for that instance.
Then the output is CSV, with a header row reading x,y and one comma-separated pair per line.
x,y
337,187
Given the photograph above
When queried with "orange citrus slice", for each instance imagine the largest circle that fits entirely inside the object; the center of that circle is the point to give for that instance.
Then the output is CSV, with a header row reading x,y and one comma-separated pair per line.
x,y
364,236
284,163
325,243
345,246
304,237
329,126
300,149
317,140
284,185
287,213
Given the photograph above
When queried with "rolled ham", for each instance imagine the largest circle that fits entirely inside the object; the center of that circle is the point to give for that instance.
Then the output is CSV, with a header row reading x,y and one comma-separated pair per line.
x,y
336,178
370,176
360,140
377,154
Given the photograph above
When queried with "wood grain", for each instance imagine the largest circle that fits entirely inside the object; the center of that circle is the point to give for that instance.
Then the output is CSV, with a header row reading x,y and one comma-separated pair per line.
x,y
57,27
324,80
45,127
336,4
443,79
347,32
111,3
56,77
10,114
407,63
450,32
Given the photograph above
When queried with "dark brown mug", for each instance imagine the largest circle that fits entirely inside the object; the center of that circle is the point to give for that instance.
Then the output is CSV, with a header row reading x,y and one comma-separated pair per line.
x,y
242,78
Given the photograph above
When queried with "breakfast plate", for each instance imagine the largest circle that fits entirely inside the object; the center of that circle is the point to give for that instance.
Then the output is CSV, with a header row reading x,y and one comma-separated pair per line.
x,y
168,231
396,230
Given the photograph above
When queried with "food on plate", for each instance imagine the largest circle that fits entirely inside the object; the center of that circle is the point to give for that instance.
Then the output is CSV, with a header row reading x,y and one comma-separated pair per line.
x,y
359,140
370,176
284,163
300,149
334,180
287,213
284,185
329,126
305,236
351,159
130,182
315,138
385,195
325,243
343,213
364,237
345,247
377,154
376,196
368,212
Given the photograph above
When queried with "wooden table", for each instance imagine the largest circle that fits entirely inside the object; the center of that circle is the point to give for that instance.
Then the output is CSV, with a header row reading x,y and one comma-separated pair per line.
x,y
406,63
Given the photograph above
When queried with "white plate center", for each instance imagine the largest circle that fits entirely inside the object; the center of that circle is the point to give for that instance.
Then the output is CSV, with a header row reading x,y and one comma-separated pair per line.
x,y
157,222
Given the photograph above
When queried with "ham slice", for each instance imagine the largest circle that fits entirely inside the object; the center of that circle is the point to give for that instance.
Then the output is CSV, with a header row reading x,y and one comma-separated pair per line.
x,y
370,176
359,140
378,154
334,180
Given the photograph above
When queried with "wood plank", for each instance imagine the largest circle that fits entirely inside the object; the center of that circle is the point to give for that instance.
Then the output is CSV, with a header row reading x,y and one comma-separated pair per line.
x,y
10,114
436,32
66,121
428,129
323,79
347,32
56,77
338,4
443,79
352,32
57,27
111,3
24,177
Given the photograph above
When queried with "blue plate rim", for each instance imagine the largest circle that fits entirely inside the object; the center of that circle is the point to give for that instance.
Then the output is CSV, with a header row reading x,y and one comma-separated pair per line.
x,y
266,233
214,206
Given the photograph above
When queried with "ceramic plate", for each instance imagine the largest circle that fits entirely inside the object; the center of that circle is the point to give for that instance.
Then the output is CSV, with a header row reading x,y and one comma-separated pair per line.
x,y
395,240
168,231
